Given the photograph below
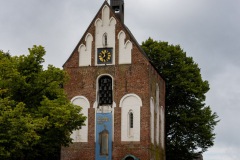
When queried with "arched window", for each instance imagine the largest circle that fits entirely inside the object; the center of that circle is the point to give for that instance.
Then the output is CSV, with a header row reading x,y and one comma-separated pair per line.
x,y
105,40
131,120
130,123
105,96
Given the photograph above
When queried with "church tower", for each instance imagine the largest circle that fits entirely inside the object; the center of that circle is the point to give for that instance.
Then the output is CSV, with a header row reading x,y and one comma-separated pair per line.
x,y
118,8
119,90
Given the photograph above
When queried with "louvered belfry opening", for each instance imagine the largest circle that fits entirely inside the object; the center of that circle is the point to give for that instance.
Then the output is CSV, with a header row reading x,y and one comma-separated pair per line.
x,y
105,91
118,7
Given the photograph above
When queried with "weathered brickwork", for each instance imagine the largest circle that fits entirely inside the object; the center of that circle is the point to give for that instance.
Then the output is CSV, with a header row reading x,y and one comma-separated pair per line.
x,y
139,78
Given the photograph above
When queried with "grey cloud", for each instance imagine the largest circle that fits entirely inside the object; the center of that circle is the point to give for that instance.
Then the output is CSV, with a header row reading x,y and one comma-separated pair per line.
x,y
207,30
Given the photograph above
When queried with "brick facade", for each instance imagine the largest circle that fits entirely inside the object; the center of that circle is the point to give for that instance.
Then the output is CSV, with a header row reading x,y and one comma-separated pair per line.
x,y
139,78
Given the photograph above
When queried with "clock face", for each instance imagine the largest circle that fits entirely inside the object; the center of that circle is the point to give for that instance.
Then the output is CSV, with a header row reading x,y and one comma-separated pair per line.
x,y
104,55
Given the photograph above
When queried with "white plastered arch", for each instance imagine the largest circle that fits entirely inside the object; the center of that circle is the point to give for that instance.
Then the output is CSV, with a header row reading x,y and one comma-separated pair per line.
x,y
85,51
81,135
130,103
125,49
125,100
105,15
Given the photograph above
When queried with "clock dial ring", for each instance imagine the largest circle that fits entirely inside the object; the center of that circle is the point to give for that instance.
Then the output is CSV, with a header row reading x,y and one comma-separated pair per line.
x,y
104,56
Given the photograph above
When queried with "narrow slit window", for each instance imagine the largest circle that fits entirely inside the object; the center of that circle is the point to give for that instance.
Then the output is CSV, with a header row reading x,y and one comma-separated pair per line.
x,y
131,120
105,39
130,124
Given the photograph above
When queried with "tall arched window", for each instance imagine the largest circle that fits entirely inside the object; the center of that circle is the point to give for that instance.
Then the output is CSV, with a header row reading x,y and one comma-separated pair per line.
x,y
130,123
130,120
105,96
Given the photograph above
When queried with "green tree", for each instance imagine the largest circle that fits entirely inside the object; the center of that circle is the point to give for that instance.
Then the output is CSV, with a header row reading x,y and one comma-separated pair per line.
x,y
189,122
36,118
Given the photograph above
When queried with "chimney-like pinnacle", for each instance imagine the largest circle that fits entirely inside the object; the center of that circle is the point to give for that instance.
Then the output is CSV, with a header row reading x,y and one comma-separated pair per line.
x,y
118,7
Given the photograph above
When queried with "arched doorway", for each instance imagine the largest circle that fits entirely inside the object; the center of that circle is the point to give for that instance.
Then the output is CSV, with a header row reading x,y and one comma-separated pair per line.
x,y
130,157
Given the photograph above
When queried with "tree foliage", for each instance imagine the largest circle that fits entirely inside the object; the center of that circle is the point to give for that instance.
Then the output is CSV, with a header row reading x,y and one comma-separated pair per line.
x,y
36,118
189,122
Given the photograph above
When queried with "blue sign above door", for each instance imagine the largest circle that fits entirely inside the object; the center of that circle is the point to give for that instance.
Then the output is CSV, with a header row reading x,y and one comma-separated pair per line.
x,y
103,148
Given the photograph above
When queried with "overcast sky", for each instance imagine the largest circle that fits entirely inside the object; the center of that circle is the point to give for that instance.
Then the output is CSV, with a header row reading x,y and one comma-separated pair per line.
x,y
208,30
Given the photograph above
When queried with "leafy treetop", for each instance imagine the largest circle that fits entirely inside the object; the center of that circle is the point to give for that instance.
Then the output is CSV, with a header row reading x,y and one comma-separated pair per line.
x,y
189,122
36,118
